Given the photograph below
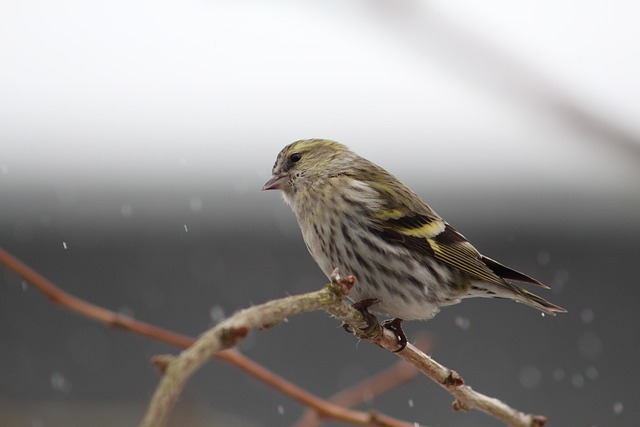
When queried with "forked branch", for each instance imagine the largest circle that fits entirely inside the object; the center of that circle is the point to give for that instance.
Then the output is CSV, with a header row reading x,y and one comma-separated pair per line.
x,y
177,370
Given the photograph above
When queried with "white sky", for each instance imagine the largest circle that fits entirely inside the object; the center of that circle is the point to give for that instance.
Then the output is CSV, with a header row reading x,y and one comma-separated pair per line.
x,y
120,89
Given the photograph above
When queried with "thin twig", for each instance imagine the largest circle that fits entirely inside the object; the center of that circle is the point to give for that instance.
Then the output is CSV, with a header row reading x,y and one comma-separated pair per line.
x,y
177,370
232,356
228,332
507,72
224,335
235,328
377,385
466,397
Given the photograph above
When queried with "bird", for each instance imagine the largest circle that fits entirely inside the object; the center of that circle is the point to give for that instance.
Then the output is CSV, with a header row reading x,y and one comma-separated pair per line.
x,y
408,262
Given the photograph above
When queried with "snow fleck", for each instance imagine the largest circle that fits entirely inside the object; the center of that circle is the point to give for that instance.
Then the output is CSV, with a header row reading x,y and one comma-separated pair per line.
x,y
543,257
410,403
280,409
216,313
186,229
462,323
560,279
60,383
591,373
23,285
577,380
196,204
558,374
618,407
126,210
64,245
590,346
530,377
586,316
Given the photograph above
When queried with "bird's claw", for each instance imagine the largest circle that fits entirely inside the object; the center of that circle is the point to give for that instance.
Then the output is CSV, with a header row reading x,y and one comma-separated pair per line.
x,y
362,307
395,326
347,327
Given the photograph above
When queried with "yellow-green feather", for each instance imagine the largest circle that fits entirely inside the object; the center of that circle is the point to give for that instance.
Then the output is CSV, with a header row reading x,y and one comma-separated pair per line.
x,y
466,258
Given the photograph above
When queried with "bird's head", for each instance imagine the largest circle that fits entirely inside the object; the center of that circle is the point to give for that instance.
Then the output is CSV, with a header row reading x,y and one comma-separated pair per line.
x,y
304,162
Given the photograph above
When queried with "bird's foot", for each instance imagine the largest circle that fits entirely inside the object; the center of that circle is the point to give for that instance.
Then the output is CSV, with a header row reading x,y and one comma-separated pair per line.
x,y
363,308
395,326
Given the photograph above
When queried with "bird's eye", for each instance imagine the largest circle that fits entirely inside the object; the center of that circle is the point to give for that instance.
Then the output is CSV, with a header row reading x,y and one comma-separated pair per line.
x,y
295,157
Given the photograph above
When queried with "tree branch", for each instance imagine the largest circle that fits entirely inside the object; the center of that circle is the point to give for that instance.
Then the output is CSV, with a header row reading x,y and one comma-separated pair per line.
x,y
466,397
226,334
232,356
230,331
389,379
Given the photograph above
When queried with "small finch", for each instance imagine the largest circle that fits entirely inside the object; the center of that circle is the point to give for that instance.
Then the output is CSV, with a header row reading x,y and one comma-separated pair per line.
x,y
408,261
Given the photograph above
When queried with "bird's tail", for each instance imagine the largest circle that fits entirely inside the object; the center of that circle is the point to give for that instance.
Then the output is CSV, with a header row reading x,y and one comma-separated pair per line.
x,y
508,290
536,301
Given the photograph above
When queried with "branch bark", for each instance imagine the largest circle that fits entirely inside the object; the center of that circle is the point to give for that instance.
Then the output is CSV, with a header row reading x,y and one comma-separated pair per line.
x,y
177,370
330,299
226,334
234,357
389,379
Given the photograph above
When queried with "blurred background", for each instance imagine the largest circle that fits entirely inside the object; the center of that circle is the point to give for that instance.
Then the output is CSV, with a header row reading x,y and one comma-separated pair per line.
x,y
135,138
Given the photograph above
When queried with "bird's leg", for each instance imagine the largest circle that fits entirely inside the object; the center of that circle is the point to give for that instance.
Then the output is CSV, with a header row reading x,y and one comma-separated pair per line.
x,y
362,307
395,326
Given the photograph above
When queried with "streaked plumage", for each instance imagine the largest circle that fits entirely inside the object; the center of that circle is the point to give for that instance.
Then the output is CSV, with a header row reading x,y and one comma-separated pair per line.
x,y
356,216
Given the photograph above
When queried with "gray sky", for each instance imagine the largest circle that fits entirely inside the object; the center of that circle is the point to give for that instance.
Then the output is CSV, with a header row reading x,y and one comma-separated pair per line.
x,y
444,89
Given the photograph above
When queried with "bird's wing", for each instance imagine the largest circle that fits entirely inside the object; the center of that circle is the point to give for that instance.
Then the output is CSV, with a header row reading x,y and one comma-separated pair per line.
x,y
433,237
407,221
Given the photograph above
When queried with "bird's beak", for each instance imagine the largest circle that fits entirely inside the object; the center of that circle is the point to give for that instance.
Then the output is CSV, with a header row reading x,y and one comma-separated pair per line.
x,y
277,182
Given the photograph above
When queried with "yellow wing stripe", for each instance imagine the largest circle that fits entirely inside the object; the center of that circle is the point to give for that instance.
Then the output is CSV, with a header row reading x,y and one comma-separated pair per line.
x,y
429,229
392,214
